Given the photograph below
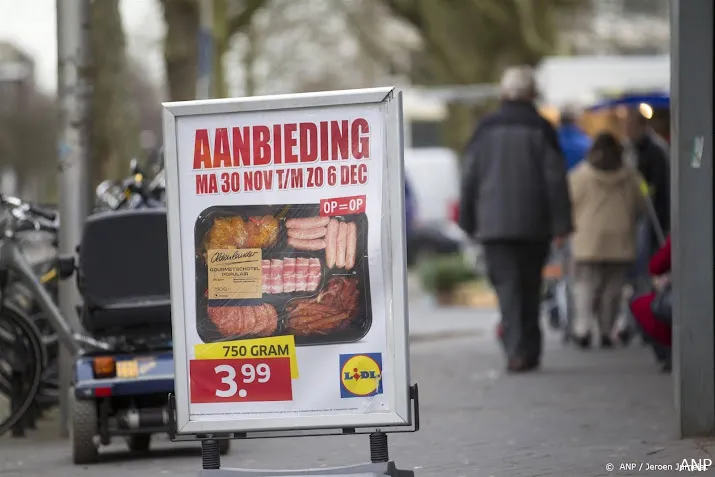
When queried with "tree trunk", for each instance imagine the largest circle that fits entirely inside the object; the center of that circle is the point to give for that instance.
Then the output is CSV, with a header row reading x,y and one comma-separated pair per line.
x,y
181,47
222,42
249,61
113,132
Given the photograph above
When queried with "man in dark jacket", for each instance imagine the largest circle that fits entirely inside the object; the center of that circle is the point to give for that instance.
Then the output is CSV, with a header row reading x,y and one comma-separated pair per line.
x,y
651,159
515,200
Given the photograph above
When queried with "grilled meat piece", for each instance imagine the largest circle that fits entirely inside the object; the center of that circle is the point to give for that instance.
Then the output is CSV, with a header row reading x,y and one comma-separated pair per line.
x,y
234,232
226,232
331,310
266,232
240,321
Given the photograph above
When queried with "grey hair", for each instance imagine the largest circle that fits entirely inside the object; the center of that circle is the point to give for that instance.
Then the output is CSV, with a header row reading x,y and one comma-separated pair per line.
x,y
518,83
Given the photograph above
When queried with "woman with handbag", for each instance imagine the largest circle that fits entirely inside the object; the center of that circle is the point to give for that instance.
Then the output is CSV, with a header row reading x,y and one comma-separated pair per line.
x,y
653,311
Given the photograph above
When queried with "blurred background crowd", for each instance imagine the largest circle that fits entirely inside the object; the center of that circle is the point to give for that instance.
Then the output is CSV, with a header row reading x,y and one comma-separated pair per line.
x,y
447,57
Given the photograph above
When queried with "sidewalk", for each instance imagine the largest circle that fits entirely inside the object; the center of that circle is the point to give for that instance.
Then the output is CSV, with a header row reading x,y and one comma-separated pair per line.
x,y
582,411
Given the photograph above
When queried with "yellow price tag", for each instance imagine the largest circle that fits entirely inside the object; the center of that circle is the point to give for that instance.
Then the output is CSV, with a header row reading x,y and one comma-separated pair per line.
x,y
274,347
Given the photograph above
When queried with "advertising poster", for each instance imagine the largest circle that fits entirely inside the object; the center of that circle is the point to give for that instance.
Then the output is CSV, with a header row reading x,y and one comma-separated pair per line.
x,y
287,261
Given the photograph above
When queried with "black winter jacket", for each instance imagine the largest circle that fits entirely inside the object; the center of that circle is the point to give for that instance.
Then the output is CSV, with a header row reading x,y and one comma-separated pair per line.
x,y
514,181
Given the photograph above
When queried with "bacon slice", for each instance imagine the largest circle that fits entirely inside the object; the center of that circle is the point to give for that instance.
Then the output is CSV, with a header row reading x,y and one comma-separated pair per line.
x,y
276,276
314,274
301,274
289,266
266,276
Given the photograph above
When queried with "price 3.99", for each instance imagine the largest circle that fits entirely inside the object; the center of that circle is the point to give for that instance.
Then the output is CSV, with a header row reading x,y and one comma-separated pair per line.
x,y
249,374
240,380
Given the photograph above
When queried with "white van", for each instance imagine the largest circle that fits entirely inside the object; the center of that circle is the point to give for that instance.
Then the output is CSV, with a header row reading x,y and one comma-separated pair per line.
x,y
434,178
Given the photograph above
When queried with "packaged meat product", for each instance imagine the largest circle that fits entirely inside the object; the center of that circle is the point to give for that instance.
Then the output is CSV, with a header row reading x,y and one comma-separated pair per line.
x,y
301,274
309,245
351,247
341,245
288,275
331,243
307,223
276,281
281,269
307,234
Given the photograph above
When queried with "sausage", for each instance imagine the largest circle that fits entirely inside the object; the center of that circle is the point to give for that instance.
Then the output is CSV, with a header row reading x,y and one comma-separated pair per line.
x,y
342,245
351,246
307,234
309,245
307,222
332,243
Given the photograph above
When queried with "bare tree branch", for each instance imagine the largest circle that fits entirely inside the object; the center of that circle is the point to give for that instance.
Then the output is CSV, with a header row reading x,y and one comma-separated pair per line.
x,y
237,22
408,10
367,40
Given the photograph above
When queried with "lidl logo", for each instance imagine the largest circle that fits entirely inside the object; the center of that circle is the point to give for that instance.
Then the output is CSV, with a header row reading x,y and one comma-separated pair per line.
x,y
360,375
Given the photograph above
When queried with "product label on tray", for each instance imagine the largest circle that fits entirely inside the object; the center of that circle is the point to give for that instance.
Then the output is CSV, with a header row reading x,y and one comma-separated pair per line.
x,y
234,273
285,252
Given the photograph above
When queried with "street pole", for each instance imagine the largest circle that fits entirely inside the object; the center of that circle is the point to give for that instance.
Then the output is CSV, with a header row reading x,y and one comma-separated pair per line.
x,y
72,94
206,49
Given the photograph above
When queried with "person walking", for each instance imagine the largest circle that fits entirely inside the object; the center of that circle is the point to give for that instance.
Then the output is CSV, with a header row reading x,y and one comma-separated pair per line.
x,y
607,203
574,142
649,154
515,201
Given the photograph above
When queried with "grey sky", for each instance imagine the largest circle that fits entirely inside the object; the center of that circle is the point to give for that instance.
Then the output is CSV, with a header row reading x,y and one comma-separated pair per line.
x,y
30,24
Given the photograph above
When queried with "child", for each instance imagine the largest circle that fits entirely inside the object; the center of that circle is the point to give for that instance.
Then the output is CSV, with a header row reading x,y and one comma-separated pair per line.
x,y
607,202
657,331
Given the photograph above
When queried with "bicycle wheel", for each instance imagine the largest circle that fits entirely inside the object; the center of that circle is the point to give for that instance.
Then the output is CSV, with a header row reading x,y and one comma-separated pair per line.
x,y
21,362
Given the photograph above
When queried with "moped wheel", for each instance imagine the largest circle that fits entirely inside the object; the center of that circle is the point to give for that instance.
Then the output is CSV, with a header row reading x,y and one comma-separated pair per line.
x,y
21,362
82,430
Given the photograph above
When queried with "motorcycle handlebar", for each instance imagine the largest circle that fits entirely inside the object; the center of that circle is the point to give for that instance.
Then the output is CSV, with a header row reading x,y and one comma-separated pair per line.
x,y
28,208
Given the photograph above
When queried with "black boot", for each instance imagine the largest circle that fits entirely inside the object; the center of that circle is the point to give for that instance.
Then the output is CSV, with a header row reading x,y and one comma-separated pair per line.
x,y
583,342
606,342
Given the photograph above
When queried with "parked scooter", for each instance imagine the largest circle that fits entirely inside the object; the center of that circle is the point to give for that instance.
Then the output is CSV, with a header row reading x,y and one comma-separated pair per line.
x,y
134,192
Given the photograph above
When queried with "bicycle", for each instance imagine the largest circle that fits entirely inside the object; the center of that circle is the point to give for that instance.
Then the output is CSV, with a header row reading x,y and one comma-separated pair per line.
x,y
22,365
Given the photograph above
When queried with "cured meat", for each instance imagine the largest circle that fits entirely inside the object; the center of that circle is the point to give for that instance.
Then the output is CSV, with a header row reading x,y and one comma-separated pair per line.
x,y
314,269
266,276
332,243
307,234
276,283
291,274
301,274
351,248
331,310
308,245
307,222
241,321
341,245
288,275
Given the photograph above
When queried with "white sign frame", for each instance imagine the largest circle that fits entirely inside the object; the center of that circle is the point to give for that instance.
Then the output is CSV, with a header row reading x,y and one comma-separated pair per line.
x,y
397,355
